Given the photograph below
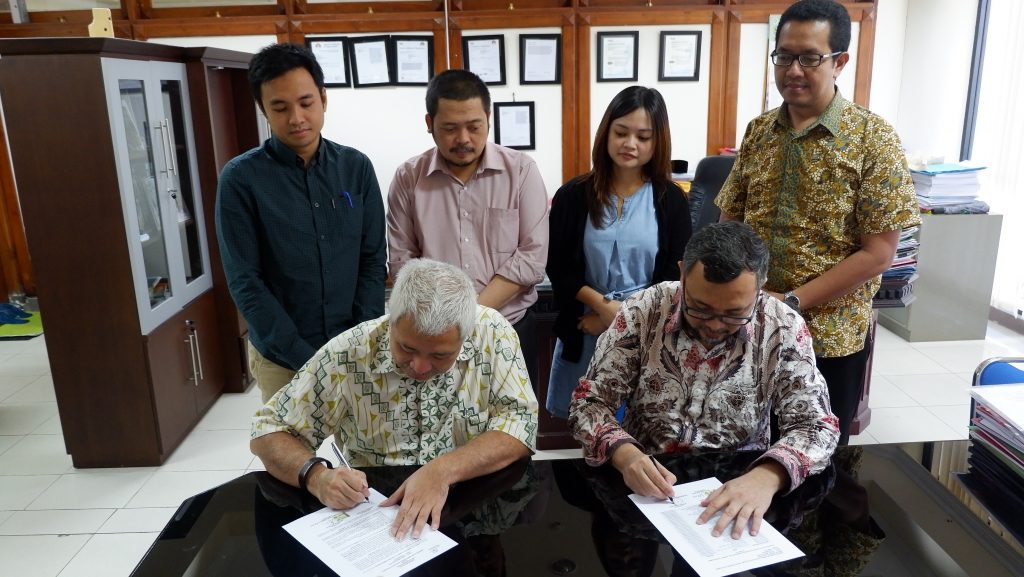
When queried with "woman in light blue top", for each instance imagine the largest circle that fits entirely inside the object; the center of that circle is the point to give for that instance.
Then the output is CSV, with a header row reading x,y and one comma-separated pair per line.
x,y
615,230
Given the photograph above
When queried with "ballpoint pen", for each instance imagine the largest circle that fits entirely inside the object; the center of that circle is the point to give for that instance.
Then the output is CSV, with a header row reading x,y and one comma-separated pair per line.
x,y
651,457
344,461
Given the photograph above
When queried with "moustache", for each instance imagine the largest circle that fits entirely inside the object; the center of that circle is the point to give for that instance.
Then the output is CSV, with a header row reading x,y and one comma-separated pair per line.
x,y
462,148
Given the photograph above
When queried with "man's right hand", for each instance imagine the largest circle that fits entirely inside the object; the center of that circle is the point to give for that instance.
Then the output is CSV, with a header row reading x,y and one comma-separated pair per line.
x,y
338,488
645,476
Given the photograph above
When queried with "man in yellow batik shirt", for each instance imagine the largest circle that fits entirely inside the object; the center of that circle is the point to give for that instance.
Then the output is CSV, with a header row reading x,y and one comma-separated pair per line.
x,y
825,183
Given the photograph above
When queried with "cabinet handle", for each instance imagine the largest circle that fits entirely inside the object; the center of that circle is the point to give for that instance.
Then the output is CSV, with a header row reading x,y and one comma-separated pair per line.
x,y
199,354
163,144
170,147
192,351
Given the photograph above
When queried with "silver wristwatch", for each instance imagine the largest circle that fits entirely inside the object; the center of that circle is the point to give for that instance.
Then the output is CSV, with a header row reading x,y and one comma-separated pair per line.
x,y
792,300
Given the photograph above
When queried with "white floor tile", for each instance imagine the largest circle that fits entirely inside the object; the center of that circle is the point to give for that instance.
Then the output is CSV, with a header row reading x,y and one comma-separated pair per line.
x,y
23,418
18,346
864,438
107,555
8,441
25,364
37,455
886,394
211,451
962,356
4,515
956,417
10,384
934,390
39,555
55,522
17,491
145,520
170,488
38,391
256,465
231,411
92,489
50,426
886,339
901,361
908,425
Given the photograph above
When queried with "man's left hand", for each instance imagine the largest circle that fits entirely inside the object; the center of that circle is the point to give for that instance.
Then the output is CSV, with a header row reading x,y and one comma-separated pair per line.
x,y
744,499
422,496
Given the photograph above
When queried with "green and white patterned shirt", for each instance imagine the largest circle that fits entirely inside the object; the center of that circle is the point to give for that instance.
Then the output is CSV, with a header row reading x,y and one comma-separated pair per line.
x,y
350,387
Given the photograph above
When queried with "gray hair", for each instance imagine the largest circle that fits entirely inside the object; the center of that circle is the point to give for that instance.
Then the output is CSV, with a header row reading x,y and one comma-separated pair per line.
x,y
727,249
436,295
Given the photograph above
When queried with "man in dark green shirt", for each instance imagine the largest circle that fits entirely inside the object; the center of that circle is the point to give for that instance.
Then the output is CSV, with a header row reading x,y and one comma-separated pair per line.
x,y
300,222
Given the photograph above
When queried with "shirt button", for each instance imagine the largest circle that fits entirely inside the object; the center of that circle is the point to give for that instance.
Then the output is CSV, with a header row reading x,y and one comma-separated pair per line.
x,y
466,239
316,205
323,237
465,266
465,213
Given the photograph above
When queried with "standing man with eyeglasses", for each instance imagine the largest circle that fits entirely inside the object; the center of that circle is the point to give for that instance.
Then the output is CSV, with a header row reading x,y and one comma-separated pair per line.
x,y
700,363
825,183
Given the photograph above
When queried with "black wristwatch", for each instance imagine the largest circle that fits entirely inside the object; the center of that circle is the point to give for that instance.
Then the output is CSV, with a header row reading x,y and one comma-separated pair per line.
x,y
308,466
792,300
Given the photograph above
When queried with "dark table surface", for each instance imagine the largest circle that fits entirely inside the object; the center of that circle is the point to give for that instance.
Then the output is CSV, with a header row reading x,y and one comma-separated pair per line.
x,y
562,516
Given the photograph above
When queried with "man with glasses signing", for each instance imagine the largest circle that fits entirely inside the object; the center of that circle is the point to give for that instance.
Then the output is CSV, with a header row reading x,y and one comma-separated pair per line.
x,y
701,364
825,183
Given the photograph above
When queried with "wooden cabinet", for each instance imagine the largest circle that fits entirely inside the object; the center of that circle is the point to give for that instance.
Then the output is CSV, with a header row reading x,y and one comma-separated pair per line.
x,y
105,160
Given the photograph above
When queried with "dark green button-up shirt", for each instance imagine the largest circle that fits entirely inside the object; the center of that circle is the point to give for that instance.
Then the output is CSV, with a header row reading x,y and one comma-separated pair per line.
x,y
303,249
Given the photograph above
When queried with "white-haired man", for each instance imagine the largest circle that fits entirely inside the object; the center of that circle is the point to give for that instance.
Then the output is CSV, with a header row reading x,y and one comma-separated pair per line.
x,y
440,382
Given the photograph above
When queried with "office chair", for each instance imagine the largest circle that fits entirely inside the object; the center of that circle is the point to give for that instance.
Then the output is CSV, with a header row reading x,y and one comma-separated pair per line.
x,y
708,180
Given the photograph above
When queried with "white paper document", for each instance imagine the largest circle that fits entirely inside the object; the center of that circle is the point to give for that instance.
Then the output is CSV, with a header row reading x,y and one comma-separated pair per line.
x,y
1006,400
708,555
358,543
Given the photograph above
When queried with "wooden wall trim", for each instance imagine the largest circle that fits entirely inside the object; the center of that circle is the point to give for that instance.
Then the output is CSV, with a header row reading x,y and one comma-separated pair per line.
x,y
569,99
865,53
583,93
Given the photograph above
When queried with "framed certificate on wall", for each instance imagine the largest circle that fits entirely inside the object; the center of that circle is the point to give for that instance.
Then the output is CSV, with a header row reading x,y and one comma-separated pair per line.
x,y
331,53
617,56
514,125
679,56
485,57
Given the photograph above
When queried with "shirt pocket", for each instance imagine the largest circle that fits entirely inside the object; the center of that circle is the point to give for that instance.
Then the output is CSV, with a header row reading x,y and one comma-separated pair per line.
x,y
502,229
465,428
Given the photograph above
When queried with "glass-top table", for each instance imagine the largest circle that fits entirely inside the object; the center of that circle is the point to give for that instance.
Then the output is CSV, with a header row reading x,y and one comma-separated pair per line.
x,y
564,517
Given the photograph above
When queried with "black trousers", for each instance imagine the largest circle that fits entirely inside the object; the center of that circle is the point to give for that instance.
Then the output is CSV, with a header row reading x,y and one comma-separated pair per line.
x,y
526,328
844,377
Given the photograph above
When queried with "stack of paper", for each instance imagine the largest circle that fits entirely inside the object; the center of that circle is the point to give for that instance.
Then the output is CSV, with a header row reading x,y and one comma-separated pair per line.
x,y
940,186
896,289
996,475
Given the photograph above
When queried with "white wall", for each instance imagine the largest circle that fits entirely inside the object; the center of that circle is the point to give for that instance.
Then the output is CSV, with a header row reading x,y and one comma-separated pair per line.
x,y
687,102
387,123
936,70
887,65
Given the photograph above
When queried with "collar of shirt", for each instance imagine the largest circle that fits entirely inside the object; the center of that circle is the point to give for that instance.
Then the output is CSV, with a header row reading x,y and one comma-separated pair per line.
x,y
384,361
829,118
281,153
676,323
489,161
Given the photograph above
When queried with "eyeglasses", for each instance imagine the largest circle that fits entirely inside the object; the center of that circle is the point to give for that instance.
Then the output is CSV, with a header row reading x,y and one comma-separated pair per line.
x,y
702,315
806,60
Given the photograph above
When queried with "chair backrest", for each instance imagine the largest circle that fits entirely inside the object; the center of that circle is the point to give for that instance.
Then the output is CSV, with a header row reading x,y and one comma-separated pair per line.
x,y
710,175
997,371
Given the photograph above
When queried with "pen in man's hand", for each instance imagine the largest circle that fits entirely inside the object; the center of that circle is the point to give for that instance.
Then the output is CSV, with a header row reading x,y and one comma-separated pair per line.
x,y
344,461
651,457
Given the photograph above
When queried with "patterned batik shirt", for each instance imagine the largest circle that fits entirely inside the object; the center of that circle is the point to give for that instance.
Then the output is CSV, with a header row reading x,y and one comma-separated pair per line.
x,y
351,387
811,195
680,395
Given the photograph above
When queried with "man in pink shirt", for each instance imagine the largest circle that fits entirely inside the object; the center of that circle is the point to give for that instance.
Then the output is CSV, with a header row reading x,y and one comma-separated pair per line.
x,y
474,204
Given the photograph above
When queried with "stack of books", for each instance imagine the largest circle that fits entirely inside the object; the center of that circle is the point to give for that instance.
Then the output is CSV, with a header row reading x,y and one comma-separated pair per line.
x,y
995,474
897,285
949,189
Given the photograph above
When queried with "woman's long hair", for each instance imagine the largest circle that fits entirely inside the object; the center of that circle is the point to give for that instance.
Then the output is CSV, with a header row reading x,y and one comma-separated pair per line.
x,y
599,179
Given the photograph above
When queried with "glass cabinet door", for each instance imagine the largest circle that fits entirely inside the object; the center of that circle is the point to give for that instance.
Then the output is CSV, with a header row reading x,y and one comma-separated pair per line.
x,y
148,210
161,201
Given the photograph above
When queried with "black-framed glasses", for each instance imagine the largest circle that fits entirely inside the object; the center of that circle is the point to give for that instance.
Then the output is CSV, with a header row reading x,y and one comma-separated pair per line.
x,y
703,315
806,60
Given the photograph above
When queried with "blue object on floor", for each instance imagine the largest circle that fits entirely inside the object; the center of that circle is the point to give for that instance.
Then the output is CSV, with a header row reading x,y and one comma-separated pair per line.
x,y
13,310
9,319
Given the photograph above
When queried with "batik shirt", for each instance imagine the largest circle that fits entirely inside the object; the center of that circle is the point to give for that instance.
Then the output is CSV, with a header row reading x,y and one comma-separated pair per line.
x,y
351,387
811,195
681,395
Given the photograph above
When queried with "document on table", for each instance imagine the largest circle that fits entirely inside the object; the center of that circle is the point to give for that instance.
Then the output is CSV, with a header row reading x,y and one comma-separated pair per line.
x,y
708,555
357,542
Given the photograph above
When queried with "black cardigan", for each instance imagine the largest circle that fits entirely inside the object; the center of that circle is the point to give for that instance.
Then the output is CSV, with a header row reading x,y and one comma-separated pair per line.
x,y
566,263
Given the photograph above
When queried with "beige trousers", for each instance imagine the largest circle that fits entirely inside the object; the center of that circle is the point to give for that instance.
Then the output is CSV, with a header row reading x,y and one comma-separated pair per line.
x,y
269,376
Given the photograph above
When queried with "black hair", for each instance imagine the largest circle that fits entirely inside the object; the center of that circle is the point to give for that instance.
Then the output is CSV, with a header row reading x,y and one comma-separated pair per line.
x,y
821,11
456,84
277,60
727,249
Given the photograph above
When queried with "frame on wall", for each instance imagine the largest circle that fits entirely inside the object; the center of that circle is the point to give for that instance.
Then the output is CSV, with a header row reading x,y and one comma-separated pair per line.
x,y
485,57
411,52
540,59
617,56
332,54
371,61
514,125
679,56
